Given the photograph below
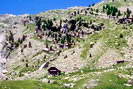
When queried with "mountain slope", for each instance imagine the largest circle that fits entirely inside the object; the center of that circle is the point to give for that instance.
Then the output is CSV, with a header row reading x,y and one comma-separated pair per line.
x,y
93,50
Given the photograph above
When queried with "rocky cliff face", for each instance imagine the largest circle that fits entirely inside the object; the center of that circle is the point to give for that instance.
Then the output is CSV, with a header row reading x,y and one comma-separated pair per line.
x,y
7,39
3,55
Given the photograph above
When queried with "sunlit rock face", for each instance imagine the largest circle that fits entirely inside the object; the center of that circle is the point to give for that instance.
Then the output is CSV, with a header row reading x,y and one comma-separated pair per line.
x,y
2,54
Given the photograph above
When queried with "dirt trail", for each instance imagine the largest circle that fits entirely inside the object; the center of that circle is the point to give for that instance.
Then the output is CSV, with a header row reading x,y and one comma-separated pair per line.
x,y
33,75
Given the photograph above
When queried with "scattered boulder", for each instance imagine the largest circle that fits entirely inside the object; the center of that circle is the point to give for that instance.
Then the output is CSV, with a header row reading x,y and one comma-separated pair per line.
x,y
130,82
69,85
45,80
91,84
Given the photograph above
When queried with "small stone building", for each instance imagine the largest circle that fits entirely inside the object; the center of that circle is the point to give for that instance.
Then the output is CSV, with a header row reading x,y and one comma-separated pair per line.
x,y
54,71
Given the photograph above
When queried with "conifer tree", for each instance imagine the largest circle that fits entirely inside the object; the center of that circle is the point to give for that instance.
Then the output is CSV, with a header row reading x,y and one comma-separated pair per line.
x,y
128,13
